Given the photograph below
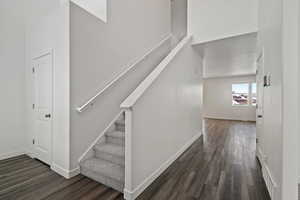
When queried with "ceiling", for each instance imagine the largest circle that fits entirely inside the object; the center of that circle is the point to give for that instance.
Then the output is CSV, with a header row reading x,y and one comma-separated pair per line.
x,y
229,57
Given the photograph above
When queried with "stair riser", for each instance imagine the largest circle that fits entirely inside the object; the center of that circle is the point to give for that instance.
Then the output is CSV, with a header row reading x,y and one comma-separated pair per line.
x,y
109,157
123,116
120,127
115,140
117,185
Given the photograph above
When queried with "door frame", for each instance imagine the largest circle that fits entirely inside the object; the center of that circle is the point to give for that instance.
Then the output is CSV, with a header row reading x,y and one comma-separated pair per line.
x,y
36,56
259,67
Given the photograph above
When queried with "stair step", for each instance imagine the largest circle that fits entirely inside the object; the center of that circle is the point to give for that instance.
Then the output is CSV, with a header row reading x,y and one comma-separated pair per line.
x,y
116,134
105,172
120,125
120,122
110,152
116,137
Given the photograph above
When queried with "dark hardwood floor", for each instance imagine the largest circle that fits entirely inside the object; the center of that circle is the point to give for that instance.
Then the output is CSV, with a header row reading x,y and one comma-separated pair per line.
x,y
22,178
220,165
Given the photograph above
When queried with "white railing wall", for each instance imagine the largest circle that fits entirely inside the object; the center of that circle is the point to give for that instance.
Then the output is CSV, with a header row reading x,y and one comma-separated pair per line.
x,y
163,117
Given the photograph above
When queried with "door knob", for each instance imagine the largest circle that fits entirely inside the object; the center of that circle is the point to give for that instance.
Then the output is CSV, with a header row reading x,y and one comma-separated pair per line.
x,y
48,116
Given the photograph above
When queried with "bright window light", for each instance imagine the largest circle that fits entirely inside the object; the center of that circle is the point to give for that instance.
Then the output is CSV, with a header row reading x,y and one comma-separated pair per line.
x,y
244,94
240,94
253,94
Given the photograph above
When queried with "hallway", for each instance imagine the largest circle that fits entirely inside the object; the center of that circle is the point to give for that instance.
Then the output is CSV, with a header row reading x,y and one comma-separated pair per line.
x,y
220,165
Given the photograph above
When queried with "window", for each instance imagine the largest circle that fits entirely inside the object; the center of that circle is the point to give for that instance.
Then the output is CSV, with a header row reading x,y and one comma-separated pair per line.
x,y
253,94
240,94
244,94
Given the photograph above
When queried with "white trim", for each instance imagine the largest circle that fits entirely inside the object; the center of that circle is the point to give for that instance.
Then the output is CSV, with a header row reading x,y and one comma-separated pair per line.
x,y
64,172
229,76
269,180
131,195
260,155
42,53
228,118
128,148
198,42
11,154
99,137
30,154
119,76
74,172
267,174
140,90
261,55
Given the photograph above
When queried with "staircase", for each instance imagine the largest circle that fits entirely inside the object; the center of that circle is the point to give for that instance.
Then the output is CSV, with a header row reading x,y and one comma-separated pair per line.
x,y
107,166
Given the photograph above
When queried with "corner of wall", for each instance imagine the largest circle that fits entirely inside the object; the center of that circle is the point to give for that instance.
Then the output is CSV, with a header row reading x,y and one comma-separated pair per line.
x,y
98,9
64,172
11,154
131,195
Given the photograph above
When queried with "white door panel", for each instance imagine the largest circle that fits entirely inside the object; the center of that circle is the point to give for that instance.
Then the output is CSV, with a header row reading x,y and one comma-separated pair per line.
x,y
43,107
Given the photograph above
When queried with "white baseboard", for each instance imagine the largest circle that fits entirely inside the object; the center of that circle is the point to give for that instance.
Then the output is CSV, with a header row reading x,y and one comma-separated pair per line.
x,y
11,154
266,172
64,172
58,169
131,195
30,154
228,118
260,155
269,180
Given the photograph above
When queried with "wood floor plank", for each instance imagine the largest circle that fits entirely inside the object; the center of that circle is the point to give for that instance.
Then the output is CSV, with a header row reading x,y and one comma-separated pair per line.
x,y
47,189
14,159
110,195
95,193
69,190
19,179
221,165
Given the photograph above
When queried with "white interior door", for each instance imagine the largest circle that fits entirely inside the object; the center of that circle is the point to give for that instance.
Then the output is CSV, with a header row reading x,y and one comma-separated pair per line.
x,y
260,99
42,72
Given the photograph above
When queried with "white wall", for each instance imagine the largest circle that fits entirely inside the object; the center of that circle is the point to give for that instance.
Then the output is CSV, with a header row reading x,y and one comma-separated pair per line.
x,y
276,98
290,116
230,57
217,99
216,19
165,119
100,51
48,28
237,66
179,19
12,81
96,7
